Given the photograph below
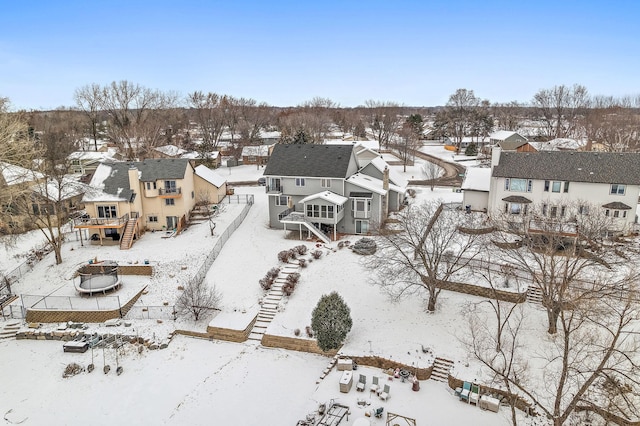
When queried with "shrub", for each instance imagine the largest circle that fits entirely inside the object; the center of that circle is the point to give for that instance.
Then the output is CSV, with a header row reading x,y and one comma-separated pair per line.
x,y
283,256
309,331
301,249
265,283
341,244
302,263
288,287
292,253
296,332
293,278
273,273
268,279
316,254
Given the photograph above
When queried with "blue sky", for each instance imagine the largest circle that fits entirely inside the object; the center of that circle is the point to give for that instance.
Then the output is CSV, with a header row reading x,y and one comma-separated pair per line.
x,y
286,52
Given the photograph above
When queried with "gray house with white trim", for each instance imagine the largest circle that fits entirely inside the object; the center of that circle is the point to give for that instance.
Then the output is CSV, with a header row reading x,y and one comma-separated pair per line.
x,y
320,189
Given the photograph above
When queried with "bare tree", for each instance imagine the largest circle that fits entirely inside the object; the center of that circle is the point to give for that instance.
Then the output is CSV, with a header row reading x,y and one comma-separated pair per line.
x,y
384,119
406,143
133,111
464,115
591,366
560,109
431,172
423,250
89,99
559,250
197,299
508,116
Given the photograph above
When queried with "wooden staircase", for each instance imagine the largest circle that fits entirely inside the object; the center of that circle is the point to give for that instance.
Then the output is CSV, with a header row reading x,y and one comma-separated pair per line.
x,y
534,295
441,368
126,241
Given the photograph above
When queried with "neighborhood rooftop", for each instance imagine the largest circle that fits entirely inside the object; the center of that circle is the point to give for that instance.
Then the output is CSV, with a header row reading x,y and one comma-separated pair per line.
x,y
310,160
589,167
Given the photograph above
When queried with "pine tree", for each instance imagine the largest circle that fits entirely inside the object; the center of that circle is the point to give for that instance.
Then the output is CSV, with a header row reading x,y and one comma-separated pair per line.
x,y
331,321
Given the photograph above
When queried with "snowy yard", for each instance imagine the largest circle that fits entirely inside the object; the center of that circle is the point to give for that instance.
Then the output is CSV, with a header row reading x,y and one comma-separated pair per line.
x,y
197,381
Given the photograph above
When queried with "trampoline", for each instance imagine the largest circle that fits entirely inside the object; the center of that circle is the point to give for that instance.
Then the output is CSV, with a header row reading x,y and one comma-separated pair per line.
x,y
99,282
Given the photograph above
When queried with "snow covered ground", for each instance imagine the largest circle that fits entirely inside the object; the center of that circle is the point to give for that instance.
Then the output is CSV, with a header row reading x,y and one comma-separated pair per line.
x,y
197,381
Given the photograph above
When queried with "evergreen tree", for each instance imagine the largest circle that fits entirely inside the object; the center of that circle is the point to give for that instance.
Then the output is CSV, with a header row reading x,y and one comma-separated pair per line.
x,y
331,321
472,149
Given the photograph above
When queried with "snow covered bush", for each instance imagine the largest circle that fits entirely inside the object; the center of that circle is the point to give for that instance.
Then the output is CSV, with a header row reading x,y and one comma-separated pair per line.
x,y
316,254
331,321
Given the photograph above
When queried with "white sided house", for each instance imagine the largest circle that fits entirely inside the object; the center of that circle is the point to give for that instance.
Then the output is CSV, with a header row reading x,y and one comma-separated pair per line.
x,y
323,190
564,185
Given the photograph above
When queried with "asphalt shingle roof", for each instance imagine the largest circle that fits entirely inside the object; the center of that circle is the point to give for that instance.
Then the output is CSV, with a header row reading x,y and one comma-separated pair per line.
x,y
149,171
309,160
591,167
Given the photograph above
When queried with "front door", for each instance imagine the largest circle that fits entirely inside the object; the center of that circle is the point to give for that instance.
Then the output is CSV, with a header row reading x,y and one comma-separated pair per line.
x,y
172,222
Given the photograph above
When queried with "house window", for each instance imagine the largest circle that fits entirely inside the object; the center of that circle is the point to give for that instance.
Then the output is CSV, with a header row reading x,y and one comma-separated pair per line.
x,y
606,212
555,187
617,189
193,195
361,205
326,183
518,185
148,186
563,210
545,207
515,208
152,219
624,213
583,210
170,186
566,187
616,213
546,185
170,202
362,226
107,212
282,200
553,212
299,181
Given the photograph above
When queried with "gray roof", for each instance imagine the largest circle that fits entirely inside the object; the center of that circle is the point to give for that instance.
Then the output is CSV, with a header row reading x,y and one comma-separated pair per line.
x,y
617,205
592,167
309,160
150,171
517,199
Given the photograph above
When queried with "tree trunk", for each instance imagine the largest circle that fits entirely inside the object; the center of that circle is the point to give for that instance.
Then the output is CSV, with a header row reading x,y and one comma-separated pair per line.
x,y
57,251
431,305
552,314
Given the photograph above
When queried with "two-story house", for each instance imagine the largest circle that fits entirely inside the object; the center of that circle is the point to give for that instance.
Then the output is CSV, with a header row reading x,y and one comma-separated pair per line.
x,y
560,184
322,189
156,194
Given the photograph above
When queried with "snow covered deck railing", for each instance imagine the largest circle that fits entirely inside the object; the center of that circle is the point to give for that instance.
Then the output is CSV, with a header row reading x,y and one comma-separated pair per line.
x,y
100,222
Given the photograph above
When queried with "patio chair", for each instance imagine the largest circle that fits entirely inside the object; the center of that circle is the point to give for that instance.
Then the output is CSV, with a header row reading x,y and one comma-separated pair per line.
x,y
464,393
375,387
474,395
378,412
385,393
362,381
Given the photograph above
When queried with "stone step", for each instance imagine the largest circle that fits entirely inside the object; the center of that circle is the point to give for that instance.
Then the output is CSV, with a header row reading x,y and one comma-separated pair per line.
x,y
255,336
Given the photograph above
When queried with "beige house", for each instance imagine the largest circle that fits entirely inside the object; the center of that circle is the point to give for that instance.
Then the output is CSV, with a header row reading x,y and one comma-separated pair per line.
x,y
156,194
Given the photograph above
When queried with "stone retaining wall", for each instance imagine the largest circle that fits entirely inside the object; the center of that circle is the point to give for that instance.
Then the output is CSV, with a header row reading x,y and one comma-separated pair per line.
x,y
47,316
230,334
294,344
146,270
485,292
386,364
